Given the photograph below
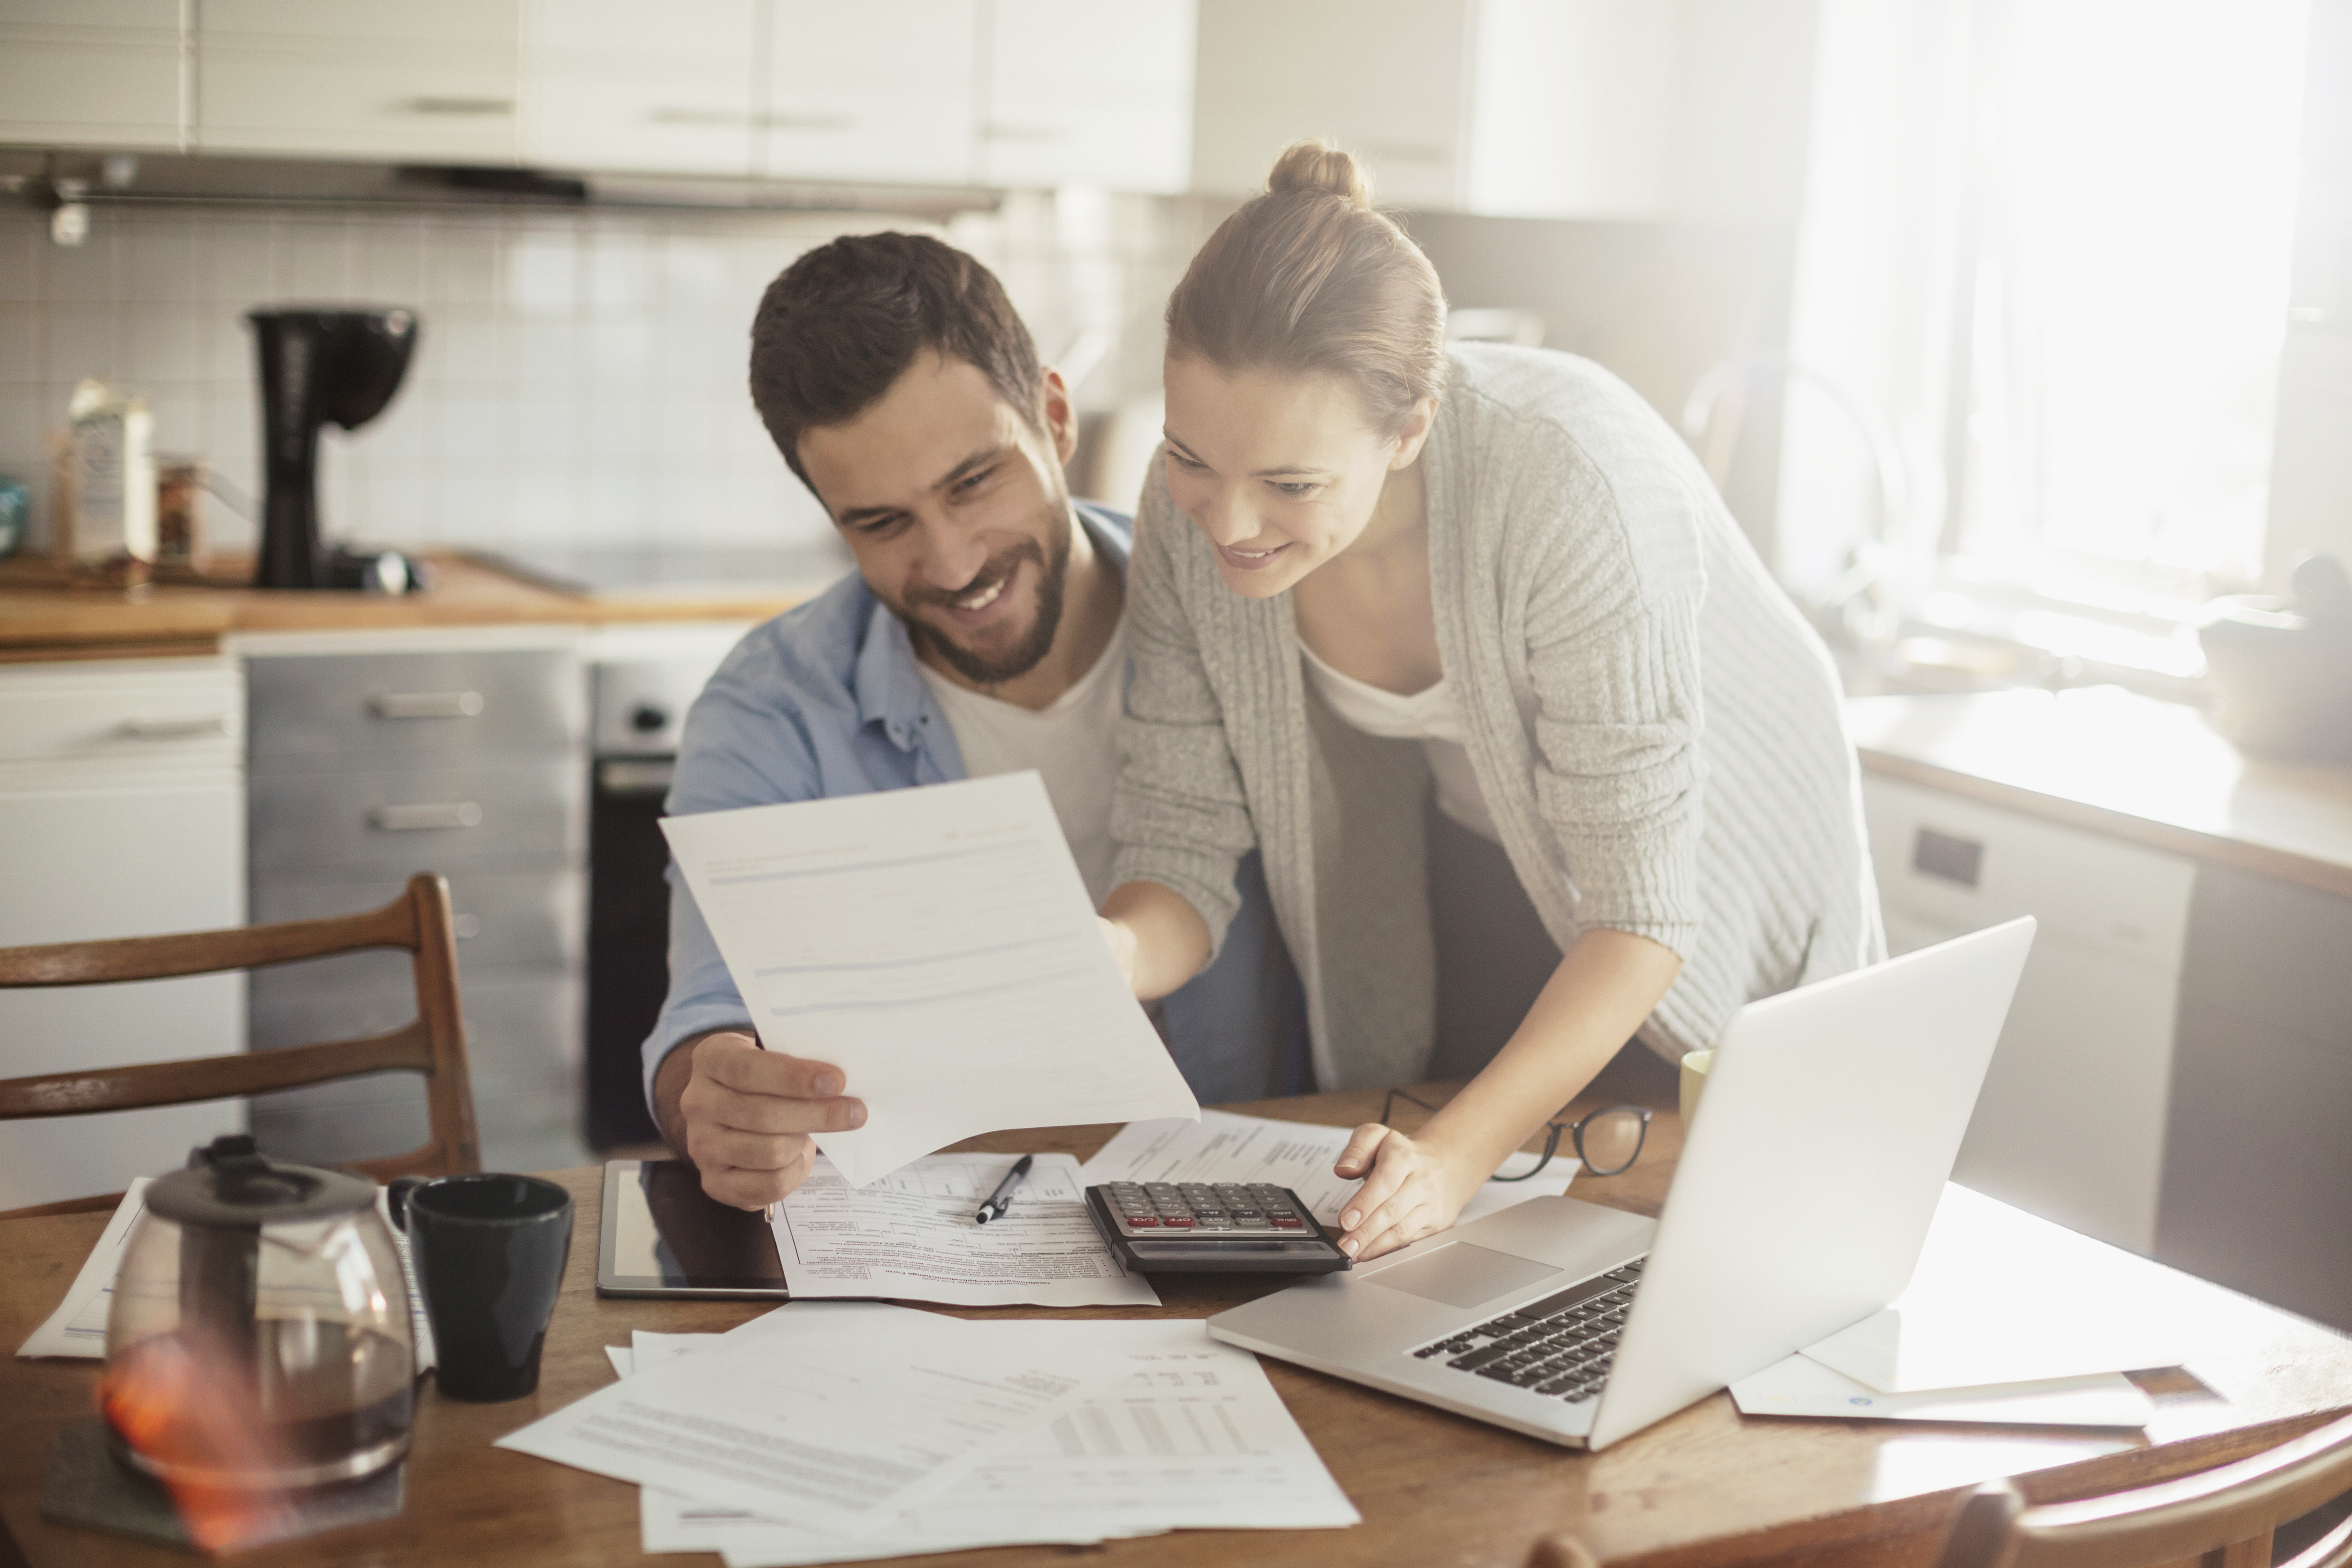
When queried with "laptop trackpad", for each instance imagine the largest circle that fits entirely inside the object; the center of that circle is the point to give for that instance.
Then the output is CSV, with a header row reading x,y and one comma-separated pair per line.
x,y
1462,1273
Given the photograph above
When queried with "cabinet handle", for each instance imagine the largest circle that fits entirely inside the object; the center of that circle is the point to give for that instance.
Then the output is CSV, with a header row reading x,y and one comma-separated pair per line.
x,y
452,106
1954,859
804,121
173,729
416,819
427,704
1027,134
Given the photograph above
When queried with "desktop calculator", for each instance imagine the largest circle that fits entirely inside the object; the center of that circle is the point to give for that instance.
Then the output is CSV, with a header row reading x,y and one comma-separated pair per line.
x,y
1226,1227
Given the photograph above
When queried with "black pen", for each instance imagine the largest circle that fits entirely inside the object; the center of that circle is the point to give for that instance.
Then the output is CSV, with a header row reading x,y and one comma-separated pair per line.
x,y
1001,1198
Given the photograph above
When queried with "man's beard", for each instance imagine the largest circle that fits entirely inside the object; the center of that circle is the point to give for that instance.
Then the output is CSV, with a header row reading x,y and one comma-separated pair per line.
x,y
983,669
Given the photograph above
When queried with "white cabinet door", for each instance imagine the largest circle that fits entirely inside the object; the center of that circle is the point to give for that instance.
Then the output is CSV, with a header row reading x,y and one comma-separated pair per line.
x,y
615,84
1387,79
879,90
129,822
428,79
1094,92
91,73
2071,1123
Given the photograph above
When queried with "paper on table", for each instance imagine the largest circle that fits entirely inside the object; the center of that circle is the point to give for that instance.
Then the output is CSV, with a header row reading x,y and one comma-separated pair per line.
x,y
938,946
1188,1434
841,1418
2002,1297
1223,1147
911,1236
77,1327
1799,1386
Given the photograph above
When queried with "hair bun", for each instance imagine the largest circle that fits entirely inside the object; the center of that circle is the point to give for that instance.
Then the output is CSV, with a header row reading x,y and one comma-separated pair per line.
x,y
1315,165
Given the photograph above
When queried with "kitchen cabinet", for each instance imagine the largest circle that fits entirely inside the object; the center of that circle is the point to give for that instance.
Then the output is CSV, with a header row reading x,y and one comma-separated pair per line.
x,y
104,73
1096,92
428,80
2258,1166
375,756
882,90
122,814
1387,79
608,84
1600,110
2072,1120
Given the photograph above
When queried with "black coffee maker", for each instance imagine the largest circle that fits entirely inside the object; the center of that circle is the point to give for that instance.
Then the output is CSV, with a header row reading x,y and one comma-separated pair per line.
x,y
318,365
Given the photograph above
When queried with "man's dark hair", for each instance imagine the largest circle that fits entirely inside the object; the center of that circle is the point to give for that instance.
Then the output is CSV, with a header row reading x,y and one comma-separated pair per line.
x,y
843,321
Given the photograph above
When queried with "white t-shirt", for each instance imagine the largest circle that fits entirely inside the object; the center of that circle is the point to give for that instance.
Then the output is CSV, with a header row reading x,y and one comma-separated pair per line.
x,y
1430,717
1073,743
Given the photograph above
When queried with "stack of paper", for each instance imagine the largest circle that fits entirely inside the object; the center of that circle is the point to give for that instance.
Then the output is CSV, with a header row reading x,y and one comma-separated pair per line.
x,y
1222,1147
1148,1426
911,1236
2008,1318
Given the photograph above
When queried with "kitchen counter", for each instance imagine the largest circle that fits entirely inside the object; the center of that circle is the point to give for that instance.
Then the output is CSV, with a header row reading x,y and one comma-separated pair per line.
x,y
38,622
2132,767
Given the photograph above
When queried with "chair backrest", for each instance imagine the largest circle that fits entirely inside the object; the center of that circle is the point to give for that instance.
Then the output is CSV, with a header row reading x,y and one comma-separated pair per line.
x,y
2223,1518
434,1044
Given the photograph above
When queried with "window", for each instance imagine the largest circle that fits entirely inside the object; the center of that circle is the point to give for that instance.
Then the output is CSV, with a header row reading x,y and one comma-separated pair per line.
x,y
2127,231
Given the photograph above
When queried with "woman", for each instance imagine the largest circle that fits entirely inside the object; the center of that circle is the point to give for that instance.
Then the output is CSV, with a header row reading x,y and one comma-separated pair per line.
x,y
1367,563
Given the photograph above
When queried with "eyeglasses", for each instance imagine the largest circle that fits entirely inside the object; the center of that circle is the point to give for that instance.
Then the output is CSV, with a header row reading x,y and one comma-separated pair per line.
x,y
1607,1142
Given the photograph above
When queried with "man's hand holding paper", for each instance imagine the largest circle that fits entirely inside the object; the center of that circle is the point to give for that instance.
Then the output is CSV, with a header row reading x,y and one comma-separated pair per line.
x,y
937,947
747,1117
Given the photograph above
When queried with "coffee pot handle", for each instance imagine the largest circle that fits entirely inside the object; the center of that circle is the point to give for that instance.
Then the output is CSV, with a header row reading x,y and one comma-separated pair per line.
x,y
397,1192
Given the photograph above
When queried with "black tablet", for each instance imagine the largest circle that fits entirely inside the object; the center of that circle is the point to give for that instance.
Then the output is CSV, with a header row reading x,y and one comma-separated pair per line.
x,y
662,1236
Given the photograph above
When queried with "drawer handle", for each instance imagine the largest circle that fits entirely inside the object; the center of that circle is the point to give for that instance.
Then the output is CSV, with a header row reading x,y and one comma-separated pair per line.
x,y
1960,860
427,704
416,819
173,729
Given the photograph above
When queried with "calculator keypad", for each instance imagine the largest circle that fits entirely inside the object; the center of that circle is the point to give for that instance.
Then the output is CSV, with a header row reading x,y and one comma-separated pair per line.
x,y
1203,1208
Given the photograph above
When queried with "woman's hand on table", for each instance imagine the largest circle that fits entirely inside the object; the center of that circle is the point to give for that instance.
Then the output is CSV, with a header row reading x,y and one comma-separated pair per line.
x,y
1411,1190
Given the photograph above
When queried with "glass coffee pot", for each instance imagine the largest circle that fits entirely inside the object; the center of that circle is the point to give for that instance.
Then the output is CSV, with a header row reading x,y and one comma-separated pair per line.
x,y
259,1335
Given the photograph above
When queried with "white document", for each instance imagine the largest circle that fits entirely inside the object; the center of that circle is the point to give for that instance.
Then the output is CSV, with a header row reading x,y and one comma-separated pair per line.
x,y
1799,1386
911,1236
77,1327
2001,1297
1223,1147
938,946
1185,1434
838,1418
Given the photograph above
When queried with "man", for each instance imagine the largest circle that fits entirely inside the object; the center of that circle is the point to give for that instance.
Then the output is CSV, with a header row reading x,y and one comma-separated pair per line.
x,y
982,633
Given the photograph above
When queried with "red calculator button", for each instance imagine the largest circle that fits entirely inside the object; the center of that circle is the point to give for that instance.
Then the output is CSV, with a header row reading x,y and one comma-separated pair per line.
x,y
1286,1225
1177,1221
1141,1220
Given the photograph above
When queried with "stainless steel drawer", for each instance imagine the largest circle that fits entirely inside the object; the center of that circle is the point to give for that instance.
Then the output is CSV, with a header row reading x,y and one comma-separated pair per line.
x,y
365,710
422,819
530,920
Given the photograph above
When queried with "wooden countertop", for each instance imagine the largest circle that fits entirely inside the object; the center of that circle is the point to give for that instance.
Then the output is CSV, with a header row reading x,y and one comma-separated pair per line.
x,y
48,623
2132,767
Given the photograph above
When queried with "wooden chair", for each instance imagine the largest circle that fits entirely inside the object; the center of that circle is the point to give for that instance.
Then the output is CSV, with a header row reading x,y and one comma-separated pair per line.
x,y
2222,1518
434,1044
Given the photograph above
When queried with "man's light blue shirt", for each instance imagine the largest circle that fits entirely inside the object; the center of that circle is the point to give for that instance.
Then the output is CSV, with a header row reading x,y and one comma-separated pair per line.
x,y
825,700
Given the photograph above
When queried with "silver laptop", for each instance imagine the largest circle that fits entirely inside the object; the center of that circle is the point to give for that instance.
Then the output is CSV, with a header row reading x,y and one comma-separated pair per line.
x,y
1803,1198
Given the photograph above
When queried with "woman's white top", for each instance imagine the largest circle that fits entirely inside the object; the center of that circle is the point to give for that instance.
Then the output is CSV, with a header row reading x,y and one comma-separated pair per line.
x,y
1430,716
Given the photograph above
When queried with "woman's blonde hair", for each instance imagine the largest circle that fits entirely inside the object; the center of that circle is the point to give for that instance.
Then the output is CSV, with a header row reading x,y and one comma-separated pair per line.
x,y
1307,277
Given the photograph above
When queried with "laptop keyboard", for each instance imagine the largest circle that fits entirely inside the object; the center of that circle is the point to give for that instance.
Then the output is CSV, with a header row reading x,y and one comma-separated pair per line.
x,y
1560,1346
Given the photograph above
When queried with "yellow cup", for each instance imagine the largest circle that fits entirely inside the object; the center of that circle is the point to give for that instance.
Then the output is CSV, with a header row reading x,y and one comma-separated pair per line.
x,y
1693,1082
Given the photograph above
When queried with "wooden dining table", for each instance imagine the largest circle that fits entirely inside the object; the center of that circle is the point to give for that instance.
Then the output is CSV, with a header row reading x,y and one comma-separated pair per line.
x,y
1707,1486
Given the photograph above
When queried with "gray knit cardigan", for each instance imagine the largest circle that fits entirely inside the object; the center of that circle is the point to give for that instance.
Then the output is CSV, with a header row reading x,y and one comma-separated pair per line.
x,y
1656,731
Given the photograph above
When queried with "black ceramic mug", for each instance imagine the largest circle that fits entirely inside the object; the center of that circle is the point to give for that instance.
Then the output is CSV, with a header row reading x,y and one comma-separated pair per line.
x,y
489,1252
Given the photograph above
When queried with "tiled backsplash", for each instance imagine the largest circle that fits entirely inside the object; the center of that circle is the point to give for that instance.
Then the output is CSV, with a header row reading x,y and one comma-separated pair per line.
x,y
579,377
